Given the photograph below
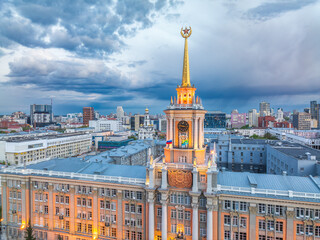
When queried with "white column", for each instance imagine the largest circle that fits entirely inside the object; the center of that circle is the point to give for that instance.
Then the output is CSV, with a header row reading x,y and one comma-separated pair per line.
x,y
209,182
195,180
4,202
195,226
209,222
195,133
164,182
151,216
164,223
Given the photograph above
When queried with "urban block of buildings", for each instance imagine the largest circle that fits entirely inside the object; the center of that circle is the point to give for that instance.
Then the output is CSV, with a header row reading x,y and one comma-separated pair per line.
x,y
178,195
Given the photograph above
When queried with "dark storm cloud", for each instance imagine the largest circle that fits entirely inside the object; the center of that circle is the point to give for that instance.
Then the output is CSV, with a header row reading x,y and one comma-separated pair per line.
x,y
85,27
80,76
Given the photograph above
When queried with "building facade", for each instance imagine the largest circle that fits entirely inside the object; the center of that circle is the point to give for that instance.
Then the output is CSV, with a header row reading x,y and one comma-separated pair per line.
x,y
264,109
147,131
20,150
301,121
41,115
88,114
215,119
106,125
253,118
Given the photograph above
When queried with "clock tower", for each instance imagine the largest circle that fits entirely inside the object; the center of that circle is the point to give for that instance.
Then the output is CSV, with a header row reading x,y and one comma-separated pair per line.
x,y
180,183
185,118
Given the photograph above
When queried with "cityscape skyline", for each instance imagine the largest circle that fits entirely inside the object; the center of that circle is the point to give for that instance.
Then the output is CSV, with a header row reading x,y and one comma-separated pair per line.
x,y
80,60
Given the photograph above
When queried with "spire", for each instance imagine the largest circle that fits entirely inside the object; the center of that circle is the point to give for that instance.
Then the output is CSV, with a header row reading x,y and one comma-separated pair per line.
x,y
185,33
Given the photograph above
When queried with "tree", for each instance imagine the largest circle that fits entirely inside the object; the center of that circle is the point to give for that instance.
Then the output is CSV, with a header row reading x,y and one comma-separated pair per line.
x,y
60,237
29,233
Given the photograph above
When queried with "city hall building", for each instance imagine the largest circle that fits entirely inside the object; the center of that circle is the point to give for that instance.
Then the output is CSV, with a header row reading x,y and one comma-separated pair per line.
x,y
179,195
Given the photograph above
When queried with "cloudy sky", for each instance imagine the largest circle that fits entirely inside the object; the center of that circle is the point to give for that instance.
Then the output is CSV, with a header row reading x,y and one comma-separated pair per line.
x,y
108,53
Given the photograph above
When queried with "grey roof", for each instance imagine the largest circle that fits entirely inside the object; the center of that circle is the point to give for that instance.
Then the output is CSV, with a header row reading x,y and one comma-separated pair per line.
x,y
271,182
77,165
296,150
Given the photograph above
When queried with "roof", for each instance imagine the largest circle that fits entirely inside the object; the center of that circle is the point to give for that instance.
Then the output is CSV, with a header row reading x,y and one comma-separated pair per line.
x,y
269,182
295,150
77,165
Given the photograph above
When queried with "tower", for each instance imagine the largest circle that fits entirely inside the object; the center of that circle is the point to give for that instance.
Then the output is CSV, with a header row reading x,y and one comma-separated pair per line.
x,y
180,184
185,118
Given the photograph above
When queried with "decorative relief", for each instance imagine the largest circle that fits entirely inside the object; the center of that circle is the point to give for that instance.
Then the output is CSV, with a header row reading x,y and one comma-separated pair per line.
x,y
290,214
180,178
253,210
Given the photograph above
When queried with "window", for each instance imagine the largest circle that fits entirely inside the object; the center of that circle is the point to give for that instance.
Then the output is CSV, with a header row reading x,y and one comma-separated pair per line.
x,y
203,232
270,225
227,235
89,202
180,214
139,209
133,208
187,230
309,230
203,217
279,226
78,201
173,213
173,228
57,198
139,195
235,221
67,212
243,206
57,210
243,222
67,199
227,204
227,220
159,212
159,225
300,229
187,215
101,204
126,207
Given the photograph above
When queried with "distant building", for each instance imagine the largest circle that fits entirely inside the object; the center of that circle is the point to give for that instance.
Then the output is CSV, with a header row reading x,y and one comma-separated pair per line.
x,y
302,121
88,114
136,121
41,115
279,115
162,124
266,121
313,109
24,148
253,118
215,119
265,109
106,125
120,113
292,159
147,130
238,120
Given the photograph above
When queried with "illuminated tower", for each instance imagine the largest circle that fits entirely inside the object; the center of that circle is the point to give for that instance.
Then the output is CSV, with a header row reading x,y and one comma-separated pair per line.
x,y
180,183
185,118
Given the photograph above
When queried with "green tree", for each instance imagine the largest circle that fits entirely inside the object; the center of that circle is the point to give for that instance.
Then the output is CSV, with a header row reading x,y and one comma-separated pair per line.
x,y
29,233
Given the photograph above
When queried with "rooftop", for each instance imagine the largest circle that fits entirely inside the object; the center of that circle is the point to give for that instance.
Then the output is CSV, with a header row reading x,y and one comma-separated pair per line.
x,y
295,150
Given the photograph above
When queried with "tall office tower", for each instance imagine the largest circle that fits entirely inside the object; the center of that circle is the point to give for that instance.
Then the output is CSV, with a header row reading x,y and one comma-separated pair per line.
x,y
302,121
88,114
41,115
136,121
313,109
253,118
120,113
265,109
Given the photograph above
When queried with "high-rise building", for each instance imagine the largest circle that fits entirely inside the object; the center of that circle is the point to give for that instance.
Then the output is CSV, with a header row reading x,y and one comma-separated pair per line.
x,y
313,109
215,119
253,118
120,113
41,115
136,121
265,109
238,120
302,121
88,114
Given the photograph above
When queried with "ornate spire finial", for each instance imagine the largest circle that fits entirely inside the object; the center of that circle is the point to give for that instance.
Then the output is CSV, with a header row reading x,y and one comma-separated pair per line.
x,y
185,33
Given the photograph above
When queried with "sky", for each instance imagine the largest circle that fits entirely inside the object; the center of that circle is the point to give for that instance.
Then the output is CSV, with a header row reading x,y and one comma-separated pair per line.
x,y
129,53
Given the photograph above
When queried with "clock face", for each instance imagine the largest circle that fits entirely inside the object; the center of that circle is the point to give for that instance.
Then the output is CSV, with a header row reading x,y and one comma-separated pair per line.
x,y
183,126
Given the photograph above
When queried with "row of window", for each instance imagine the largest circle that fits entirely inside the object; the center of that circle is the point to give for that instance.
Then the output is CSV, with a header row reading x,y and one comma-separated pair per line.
x,y
236,235
271,209
62,199
186,215
84,202
132,208
15,195
235,205
133,195
308,230
108,205
307,213
235,221
41,197
133,222
271,225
